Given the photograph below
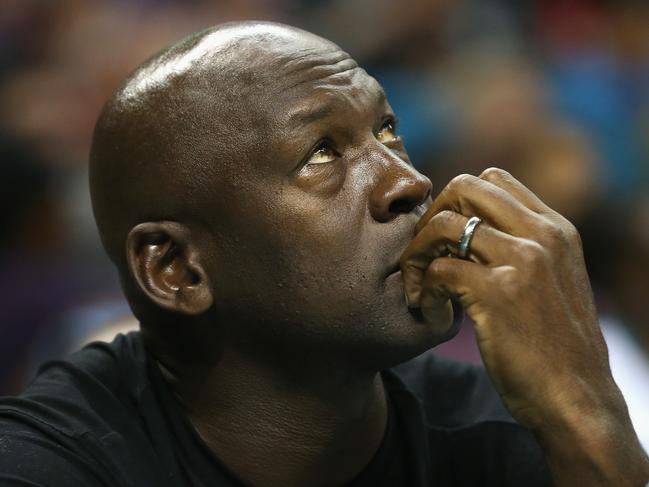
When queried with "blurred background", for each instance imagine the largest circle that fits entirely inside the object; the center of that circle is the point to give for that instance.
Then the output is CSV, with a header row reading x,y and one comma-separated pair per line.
x,y
554,91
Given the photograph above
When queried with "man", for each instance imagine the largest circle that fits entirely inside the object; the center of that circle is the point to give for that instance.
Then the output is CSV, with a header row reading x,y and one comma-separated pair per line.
x,y
282,254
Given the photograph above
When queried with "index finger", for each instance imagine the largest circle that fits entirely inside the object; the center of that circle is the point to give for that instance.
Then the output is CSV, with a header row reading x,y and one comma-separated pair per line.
x,y
472,196
506,181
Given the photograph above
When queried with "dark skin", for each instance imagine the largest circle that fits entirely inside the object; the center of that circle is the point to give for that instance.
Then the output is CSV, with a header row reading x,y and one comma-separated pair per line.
x,y
252,189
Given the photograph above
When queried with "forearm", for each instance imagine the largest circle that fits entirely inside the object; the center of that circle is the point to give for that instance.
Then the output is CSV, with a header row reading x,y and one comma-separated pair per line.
x,y
595,448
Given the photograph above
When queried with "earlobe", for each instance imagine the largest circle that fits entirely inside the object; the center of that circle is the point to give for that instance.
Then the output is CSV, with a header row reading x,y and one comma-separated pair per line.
x,y
166,267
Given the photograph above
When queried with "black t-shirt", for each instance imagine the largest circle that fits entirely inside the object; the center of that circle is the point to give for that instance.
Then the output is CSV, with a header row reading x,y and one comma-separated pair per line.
x,y
106,417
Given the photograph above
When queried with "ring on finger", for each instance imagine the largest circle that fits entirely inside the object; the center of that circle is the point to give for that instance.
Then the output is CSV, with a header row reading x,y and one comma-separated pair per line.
x,y
464,243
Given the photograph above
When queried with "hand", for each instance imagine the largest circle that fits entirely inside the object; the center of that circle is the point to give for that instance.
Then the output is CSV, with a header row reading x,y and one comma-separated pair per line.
x,y
527,290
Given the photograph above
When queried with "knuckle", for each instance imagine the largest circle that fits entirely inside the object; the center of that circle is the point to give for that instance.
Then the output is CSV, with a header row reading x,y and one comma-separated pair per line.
x,y
521,280
532,254
458,183
442,221
446,217
511,283
494,174
571,233
507,279
555,234
436,268
447,228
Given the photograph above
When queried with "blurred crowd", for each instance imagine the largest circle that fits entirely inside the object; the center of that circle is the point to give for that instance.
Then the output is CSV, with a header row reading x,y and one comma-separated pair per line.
x,y
554,91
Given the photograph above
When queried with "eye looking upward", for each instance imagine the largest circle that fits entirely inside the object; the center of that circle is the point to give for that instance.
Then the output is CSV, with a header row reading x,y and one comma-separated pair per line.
x,y
322,154
387,133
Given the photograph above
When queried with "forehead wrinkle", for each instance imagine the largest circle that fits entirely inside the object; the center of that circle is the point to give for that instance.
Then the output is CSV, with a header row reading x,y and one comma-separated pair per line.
x,y
310,113
313,57
336,73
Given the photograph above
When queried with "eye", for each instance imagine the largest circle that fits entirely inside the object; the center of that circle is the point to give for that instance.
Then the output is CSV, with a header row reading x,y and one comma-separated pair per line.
x,y
388,133
322,154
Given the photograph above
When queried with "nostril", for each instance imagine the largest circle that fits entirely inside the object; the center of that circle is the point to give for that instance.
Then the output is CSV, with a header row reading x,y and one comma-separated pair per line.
x,y
397,194
407,203
402,205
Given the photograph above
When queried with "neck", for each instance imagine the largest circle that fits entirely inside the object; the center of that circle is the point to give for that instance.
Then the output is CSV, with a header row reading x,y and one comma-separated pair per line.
x,y
311,423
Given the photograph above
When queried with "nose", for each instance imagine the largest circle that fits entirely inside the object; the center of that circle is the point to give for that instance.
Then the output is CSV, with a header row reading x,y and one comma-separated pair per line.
x,y
400,189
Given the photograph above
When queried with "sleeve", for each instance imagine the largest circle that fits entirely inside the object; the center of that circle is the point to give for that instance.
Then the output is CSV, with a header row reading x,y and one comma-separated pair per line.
x,y
30,458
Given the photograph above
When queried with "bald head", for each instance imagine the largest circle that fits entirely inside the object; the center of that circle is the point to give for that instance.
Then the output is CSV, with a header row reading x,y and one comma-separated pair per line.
x,y
191,115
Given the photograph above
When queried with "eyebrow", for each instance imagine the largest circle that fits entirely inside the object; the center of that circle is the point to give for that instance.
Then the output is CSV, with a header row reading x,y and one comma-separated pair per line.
x,y
322,110
312,114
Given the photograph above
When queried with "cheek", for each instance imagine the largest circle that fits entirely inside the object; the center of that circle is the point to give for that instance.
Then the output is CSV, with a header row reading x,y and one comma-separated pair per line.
x,y
318,243
302,248
322,180
320,226
305,289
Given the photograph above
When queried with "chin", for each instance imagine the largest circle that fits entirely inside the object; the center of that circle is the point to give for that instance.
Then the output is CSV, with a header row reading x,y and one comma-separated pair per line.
x,y
402,334
392,333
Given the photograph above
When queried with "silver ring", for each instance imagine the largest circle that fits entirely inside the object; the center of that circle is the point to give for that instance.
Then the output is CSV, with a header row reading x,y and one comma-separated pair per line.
x,y
464,244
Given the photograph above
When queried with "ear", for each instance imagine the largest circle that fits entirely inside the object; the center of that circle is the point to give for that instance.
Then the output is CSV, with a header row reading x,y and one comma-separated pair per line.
x,y
166,266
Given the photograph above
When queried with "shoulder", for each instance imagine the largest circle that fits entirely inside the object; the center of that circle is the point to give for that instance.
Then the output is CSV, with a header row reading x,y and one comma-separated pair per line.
x,y
75,416
70,395
453,394
30,455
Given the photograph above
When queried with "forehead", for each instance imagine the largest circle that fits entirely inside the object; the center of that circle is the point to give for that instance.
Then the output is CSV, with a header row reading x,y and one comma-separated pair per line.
x,y
311,83
259,69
